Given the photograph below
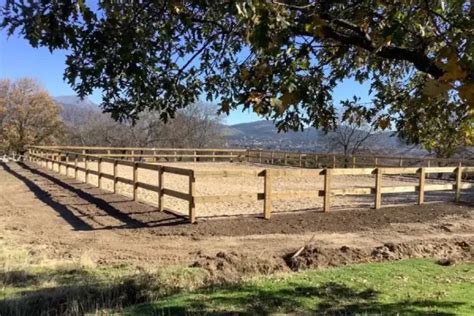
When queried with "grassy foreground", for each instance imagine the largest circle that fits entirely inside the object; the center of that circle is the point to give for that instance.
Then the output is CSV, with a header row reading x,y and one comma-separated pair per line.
x,y
36,286
405,287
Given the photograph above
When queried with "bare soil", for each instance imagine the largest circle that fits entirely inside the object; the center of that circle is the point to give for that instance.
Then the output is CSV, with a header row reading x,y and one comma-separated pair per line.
x,y
61,218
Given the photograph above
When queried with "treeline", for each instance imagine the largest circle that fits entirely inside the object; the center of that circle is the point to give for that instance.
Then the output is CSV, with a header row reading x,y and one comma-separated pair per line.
x,y
30,116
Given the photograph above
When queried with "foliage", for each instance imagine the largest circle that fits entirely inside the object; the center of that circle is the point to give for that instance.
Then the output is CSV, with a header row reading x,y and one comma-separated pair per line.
x,y
28,115
414,287
281,58
196,126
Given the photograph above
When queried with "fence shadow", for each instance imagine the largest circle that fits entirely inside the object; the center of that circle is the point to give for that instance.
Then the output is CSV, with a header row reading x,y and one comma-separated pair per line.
x,y
123,212
329,298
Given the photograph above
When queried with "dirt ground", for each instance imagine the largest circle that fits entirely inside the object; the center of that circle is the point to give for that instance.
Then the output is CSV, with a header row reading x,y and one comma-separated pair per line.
x,y
212,186
62,218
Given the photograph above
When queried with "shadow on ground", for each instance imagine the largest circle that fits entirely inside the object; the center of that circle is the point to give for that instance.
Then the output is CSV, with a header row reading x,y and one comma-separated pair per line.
x,y
79,203
90,208
328,298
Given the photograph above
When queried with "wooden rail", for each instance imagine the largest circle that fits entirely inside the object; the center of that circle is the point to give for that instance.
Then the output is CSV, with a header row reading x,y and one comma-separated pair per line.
x,y
337,160
55,159
51,158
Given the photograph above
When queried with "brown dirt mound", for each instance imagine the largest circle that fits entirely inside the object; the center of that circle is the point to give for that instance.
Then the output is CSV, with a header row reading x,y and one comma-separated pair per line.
x,y
231,267
317,257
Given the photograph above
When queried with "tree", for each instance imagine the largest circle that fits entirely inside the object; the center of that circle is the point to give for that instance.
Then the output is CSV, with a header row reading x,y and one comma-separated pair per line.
x,y
28,116
352,133
281,58
197,126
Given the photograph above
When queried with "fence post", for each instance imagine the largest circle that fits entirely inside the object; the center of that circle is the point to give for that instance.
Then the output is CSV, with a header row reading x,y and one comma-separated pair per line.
x,y
160,189
192,193
421,187
353,161
401,162
99,173
267,192
334,161
213,158
86,177
135,180
285,159
378,188
300,158
327,190
271,156
115,175
194,155
458,183
75,167
376,162
67,165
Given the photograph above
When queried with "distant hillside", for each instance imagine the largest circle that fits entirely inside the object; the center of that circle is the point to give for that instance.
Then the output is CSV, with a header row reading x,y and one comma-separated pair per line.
x,y
258,134
263,134
75,101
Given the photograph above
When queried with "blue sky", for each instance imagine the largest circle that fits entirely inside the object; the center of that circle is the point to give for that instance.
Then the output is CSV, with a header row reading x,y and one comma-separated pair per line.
x,y
18,59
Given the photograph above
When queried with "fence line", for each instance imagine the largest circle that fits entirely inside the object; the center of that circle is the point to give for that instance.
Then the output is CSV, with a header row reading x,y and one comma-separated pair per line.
x,y
55,157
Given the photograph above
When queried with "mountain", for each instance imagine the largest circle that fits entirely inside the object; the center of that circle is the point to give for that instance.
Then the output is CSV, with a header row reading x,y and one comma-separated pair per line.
x,y
263,134
75,101
259,134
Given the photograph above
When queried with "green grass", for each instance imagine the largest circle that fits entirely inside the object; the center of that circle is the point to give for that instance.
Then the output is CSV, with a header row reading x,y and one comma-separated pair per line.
x,y
406,287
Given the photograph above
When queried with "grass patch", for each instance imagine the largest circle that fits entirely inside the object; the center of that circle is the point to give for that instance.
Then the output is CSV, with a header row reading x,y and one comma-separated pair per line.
x,y
407,287
33,285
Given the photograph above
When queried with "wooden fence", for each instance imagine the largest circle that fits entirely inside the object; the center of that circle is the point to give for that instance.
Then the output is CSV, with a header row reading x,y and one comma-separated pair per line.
x,y
274,157
336,160
49,157
157,154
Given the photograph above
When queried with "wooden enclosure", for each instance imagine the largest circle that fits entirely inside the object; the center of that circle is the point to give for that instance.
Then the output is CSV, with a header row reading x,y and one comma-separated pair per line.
x,y
90,161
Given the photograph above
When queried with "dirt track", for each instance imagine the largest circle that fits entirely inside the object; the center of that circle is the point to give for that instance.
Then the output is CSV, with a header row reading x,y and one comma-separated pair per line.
x,y
65,219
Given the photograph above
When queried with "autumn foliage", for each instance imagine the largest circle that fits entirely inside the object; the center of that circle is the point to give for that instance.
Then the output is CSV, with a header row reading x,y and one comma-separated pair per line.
x,y
28,116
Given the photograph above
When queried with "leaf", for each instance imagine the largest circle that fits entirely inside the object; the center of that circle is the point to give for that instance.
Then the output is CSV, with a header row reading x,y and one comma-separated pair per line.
x,y
466,92
453,71
289,98
435,88
384,123
255,97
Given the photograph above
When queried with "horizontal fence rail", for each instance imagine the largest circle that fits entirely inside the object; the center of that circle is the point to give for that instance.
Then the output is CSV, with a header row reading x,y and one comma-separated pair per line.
x,y
337,160
56,158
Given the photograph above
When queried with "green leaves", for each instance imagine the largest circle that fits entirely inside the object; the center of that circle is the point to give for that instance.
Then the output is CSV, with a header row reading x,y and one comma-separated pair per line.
x,y
281,59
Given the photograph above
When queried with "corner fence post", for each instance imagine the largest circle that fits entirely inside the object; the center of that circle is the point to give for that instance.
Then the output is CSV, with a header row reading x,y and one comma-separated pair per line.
x,y
267,192
378,188
327,190
135,180
457,197
421,186
192,193
160,189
